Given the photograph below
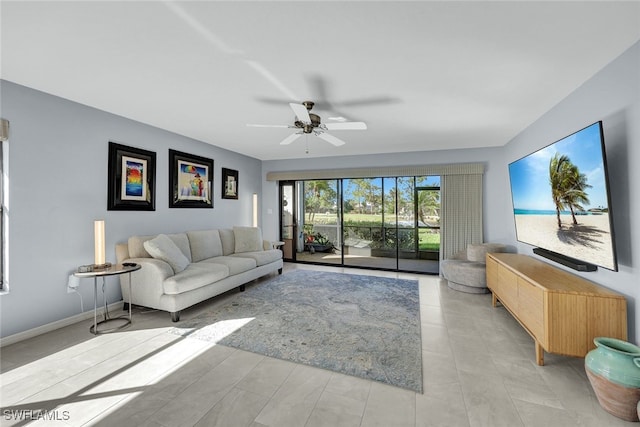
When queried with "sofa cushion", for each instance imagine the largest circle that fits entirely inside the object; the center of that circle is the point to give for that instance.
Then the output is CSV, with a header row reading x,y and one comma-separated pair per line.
x,y
162,247
261,257
204,244
193,277
182,241
248,239
228,241
137,249
236,265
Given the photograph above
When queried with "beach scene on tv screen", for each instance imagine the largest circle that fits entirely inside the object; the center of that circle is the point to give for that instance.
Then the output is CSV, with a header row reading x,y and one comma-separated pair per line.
x,y
560,199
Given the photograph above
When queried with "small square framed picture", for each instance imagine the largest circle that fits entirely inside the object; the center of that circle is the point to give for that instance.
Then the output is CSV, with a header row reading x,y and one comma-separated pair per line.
x,y
229,184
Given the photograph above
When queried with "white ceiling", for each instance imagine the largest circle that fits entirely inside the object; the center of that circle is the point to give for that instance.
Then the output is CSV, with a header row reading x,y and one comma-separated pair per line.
x,y
422,75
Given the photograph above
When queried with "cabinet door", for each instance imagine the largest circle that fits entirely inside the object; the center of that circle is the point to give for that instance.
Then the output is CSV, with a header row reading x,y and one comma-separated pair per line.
x,y
531,308
508,292
568,320
492,274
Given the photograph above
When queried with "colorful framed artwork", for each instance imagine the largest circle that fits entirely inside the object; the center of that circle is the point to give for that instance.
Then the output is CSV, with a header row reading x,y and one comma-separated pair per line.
x,y
131,179
190,181
229,184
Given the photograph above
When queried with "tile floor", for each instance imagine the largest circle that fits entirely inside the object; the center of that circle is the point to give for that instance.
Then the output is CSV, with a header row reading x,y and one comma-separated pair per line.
x,y
478,366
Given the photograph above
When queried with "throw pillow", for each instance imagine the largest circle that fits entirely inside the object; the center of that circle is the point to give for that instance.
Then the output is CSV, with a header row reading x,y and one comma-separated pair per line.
x,y
204,244
248,239
162,247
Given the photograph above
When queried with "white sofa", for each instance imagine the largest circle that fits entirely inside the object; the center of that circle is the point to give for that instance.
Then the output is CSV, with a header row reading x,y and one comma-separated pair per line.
x,y
183,269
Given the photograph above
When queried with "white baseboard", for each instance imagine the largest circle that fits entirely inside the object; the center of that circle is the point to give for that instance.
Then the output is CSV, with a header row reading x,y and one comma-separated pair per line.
x,y
21,336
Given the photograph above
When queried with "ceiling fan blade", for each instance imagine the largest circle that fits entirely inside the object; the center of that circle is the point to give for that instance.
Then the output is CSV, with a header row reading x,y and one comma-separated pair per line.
x,y
330,139
268,126
319,90
377,100
301,112
288,140
273,101
346,126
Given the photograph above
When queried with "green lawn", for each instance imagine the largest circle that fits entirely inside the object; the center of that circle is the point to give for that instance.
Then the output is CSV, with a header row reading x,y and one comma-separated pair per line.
x,y
351,218
429,241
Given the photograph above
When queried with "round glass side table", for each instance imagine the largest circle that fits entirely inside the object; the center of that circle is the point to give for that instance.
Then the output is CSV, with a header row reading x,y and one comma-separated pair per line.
x,y
113,270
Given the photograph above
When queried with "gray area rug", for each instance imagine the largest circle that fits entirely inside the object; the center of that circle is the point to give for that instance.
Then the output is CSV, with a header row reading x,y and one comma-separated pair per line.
x,y
364,326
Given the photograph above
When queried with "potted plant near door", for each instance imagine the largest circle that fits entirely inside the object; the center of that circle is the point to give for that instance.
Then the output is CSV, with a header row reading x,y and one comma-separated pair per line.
x,y
316,242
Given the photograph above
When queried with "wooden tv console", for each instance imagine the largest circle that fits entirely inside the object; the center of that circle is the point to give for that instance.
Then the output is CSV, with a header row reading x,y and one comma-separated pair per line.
x,y
562,312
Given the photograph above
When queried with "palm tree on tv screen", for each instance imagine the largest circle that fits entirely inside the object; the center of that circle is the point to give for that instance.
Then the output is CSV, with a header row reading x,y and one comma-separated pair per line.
x,y
576,194
568,186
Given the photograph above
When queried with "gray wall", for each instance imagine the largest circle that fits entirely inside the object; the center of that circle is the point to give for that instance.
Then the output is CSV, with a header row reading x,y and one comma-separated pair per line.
x,y
613,96
58,186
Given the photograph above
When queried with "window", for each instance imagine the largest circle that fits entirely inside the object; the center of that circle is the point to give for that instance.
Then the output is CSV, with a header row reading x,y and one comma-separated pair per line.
x,y
455,223
2,210
385,222
4,136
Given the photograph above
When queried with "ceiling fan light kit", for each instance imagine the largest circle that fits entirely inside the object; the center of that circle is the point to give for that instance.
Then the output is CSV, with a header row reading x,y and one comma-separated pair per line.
x,y
308,122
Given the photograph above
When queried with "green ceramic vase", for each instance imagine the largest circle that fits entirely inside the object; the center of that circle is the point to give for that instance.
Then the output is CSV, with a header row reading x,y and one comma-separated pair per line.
x,y
616,360
613,369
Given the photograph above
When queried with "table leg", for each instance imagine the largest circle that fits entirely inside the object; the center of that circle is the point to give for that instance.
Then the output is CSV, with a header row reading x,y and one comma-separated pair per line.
x,y
130,297
104,297
95,305
539,354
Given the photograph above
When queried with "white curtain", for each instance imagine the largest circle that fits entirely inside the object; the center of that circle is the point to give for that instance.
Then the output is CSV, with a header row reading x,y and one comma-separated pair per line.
x,y
460,212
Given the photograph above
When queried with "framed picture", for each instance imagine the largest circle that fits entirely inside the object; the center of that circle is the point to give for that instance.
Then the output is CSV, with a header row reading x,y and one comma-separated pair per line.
x,y
131,179
190,181
229,184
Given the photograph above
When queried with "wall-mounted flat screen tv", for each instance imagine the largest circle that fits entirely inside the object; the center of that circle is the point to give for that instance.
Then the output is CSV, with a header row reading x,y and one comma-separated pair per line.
x,y
561,200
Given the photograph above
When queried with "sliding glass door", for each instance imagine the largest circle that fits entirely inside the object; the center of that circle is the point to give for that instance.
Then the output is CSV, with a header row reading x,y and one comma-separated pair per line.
x,y
387,223
366,241
419,229
321,222
428,211
407,249
288,229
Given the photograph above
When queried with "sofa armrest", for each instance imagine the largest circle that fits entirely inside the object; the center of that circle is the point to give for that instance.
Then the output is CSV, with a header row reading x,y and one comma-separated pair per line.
x,y
147,283
268,244
122,252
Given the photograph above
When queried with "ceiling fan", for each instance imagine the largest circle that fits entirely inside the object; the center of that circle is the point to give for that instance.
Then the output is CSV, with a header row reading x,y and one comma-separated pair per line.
x,y
308,122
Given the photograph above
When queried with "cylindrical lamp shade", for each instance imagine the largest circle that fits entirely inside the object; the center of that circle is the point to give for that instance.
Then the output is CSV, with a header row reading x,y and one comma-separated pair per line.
x,y
255,210
98,231
4,130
